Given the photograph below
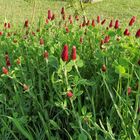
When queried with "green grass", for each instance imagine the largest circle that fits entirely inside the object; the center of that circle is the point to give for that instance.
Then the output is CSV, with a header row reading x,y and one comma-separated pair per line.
x,y
19,10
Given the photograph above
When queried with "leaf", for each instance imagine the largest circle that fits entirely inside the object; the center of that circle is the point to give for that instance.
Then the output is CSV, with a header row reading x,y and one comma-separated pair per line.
x,y
21,128
82,136
69,66
120,69
53,61
54,124
84,110
80,63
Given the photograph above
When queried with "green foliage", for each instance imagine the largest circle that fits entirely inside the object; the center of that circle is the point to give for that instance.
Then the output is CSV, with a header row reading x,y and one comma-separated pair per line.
x,y
93,96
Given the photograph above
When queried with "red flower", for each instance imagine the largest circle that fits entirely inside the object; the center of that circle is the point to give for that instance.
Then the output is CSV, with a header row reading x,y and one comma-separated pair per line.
x,y
129,90
88,23
47,21
8,64
70,20
111,24
116,24
26,24
49,14
93,23
76,17
53,17
38,30
67,29
107,39
33,33
1,33
84,23
64,54
126,32
103,68
5,25
69,94
133,19
46,55
138,33
73,54
15,41
81,40
9,25
103,21
62,11
4,70
98,19
18,61
41,41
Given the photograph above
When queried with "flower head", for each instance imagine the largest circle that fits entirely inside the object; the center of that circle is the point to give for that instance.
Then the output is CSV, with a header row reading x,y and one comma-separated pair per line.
x,y
73,54
116,24
64,54
133,19
138,34
69,94
4,70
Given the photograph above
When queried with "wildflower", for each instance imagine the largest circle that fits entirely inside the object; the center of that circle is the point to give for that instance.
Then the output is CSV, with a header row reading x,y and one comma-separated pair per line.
x,y
73,54
47,21
26,24
107,38
88,23
18,61
8,64
63,16
103,21
67,29
64,54
133,19
126,32
103,68
5,25
76,17
138,34
46,54
1,33
53,17
84,23
129,90
15,41
62,11
81,40
93,23
41,41
49,14
4,70
98,19
69,94
70,20
116,24
111,24
9,25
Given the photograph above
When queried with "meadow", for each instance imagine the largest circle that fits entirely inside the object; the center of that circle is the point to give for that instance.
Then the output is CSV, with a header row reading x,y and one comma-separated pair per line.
x,y
64,77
